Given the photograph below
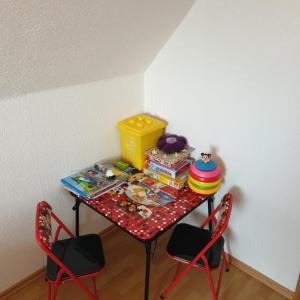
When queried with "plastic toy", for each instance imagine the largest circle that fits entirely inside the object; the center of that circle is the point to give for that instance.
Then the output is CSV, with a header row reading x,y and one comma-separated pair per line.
x,y
122,165
205,157
137,134
110,174
205,176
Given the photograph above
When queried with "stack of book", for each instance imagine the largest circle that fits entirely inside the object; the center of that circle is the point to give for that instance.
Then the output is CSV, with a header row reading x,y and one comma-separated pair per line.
x,y
95,180
170,169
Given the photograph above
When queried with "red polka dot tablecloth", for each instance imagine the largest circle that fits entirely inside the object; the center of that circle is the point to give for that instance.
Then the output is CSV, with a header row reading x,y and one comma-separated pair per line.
x,y
161,218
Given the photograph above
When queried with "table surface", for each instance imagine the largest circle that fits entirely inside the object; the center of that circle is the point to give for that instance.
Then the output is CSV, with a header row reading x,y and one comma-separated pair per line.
x,y
146,229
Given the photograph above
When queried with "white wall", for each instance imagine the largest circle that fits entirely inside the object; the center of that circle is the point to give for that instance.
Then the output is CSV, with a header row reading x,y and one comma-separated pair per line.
x,y
43,137
229,80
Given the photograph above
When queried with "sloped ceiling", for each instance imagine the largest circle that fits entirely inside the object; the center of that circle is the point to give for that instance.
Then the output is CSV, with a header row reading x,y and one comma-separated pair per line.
x,y
52,43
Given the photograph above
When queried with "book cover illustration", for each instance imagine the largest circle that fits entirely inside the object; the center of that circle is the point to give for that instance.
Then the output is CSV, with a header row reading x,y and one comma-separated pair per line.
x,y
93,181
147,191
178,183
166,192
173,173
142,195
169,160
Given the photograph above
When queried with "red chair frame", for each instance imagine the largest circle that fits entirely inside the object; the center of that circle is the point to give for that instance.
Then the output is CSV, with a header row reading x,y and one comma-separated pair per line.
x,y
44,216
224,208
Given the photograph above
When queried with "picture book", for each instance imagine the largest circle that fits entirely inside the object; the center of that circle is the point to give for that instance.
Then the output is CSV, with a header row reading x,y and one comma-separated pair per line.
x,y
178,183
146,190
94,181
173,173
168,160
141,195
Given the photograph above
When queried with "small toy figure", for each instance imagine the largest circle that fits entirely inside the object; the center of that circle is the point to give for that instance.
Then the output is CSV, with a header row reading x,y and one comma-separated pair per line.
x,y
110,175
205,157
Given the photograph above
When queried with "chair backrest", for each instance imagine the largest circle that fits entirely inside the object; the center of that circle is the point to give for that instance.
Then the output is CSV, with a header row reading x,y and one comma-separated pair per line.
x,y
43,226
221,222
224,212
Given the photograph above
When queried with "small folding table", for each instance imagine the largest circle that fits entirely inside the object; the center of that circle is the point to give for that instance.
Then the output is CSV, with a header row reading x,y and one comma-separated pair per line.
x,y
145,230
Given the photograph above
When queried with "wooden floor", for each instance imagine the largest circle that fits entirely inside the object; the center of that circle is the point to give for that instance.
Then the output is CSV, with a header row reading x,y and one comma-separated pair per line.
x,y
123,278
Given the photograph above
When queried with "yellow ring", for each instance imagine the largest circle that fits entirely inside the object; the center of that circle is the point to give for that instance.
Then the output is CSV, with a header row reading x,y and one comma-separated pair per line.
x,y
203,192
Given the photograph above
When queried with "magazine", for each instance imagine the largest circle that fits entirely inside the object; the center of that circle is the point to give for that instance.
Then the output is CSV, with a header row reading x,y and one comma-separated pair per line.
x,y
96,180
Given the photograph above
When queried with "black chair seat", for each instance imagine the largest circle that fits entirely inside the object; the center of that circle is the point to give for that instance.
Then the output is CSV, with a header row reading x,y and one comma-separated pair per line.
x,y
82,255
187,241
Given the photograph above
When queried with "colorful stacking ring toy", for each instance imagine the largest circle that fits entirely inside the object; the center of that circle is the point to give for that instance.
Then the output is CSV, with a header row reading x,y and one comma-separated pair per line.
x,y
205,176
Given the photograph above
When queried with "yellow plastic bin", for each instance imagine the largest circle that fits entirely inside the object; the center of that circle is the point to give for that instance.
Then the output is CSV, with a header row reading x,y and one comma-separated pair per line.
x,y
138,134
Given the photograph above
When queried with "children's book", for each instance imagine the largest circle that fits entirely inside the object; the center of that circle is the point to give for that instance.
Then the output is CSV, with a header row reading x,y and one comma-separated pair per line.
x,y
169,160
178,183
173,173
94,181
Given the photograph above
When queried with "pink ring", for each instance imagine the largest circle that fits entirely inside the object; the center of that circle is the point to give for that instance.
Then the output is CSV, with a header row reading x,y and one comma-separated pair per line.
x,y
202,179
206,174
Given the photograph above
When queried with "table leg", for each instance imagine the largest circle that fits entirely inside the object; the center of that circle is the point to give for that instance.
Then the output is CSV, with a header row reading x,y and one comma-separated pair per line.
x,y
210,201
147,274
76,208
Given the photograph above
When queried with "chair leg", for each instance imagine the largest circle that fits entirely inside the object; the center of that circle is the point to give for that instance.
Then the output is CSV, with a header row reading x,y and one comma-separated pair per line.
x,y
55,286
175,280
220,275
95,287
49,290
226,261
211,285
177,271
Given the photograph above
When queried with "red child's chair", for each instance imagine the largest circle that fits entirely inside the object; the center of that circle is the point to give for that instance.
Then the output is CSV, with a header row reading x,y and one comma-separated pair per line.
x,y
199,248
68,259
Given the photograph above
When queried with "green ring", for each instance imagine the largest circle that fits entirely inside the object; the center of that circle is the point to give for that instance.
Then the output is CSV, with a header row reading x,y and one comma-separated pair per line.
x,y
202,187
